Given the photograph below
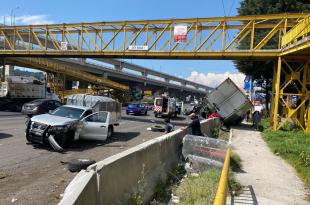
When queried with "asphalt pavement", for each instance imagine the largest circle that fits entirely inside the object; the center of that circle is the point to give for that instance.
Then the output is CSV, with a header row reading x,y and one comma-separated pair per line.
x,y
35,174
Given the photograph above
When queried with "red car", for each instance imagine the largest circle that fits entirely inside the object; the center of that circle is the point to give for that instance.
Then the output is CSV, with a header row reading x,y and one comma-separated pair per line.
x,y
39,106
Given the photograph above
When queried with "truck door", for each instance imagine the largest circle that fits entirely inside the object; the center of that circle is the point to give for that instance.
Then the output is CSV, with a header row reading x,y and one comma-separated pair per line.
x,y
95,126
172,106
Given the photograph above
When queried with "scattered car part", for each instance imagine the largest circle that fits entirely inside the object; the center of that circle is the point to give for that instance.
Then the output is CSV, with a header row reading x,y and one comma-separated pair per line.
x,y
54,144
158,128
77,165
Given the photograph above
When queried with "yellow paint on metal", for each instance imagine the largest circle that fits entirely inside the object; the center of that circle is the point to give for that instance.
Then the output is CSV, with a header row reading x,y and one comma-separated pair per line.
x,y
300,30
53,67
277,95
207,38
221,193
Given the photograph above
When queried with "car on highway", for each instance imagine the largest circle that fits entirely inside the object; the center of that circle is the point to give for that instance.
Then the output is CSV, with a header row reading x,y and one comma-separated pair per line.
x,y
39,106
149,106
73,121
136,109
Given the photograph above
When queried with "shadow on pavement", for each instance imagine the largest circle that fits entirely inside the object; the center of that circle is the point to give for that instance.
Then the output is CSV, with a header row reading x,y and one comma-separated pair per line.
x,y
244,126
155,121
82,145
5,135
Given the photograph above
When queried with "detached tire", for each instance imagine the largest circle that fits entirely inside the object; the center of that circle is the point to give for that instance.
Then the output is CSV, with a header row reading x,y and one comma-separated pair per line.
x,y
77,165
158,128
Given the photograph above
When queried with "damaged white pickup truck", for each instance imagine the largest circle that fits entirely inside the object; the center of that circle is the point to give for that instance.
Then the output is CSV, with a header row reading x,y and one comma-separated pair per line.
x,y
83,117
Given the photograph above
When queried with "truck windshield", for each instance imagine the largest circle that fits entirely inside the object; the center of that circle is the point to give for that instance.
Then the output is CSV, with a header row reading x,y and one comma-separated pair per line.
x,y
159,102
68,112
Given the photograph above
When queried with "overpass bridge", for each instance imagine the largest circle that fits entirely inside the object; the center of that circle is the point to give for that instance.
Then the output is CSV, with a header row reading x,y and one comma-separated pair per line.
x,y
285,41
114,77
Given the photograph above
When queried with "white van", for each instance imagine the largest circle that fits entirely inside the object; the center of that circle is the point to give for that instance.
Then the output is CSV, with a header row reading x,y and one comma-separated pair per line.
x,y
165,106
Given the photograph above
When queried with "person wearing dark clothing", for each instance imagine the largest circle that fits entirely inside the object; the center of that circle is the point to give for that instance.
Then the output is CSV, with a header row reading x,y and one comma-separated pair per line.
x,y
195,125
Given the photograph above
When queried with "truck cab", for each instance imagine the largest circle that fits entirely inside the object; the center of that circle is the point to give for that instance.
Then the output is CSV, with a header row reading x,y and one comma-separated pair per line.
x,y
165,106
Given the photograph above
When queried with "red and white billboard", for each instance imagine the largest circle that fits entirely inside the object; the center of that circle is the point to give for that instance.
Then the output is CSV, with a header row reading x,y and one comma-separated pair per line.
x,y
180,32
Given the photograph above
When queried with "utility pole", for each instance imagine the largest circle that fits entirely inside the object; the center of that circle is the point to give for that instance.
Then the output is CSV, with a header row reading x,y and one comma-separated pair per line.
x,y
13,16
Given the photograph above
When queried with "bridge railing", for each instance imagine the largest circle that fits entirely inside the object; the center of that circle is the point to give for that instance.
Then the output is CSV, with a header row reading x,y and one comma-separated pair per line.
x,y
194,38
302,29
222,190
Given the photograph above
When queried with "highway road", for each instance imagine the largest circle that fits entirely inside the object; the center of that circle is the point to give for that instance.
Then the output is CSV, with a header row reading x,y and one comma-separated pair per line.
x,y
34,174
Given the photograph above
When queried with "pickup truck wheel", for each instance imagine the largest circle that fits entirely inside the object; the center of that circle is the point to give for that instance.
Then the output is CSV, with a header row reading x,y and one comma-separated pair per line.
x,y
27,135
110,131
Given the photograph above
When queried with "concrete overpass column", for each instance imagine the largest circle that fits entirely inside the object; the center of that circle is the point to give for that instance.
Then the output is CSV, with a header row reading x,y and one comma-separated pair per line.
x,y
105,75
118,67
8,70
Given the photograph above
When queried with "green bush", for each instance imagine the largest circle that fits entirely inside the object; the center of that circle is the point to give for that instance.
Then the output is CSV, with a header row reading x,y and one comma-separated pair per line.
x,y
288,125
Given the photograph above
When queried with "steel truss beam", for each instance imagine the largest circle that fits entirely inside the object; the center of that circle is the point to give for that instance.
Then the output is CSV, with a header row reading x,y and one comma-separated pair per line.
x,y
207,38
291,92
49,66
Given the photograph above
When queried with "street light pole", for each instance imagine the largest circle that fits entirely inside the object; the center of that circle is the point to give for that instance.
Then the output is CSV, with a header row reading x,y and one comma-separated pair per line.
x,y
14,15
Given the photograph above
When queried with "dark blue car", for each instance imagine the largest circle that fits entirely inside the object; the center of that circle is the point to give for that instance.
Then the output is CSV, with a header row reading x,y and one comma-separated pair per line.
x,y
137,109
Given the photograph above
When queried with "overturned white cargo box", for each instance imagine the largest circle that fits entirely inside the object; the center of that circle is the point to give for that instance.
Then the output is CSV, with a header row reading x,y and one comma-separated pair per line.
x,y
229,101
97,103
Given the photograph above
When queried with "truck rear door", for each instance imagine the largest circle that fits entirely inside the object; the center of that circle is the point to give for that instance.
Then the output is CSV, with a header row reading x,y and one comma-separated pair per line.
x,y
95,126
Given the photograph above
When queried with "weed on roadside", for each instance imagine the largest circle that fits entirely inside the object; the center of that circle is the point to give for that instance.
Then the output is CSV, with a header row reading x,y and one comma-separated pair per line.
x,y
235,162
3,175
234,185
199,189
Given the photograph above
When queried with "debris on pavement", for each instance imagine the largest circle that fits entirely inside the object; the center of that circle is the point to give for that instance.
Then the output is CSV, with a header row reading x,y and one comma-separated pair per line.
x,y
77,165
3,175
14,200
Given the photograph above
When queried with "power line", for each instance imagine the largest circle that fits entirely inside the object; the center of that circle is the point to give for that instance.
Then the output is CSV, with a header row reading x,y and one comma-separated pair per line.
x,y
233,3
223,8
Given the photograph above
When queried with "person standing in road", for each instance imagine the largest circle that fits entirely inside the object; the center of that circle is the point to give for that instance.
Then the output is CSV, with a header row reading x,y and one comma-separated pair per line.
x,y
195,125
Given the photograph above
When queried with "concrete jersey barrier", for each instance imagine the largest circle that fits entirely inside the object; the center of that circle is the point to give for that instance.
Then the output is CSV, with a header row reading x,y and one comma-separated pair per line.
x,y
137,170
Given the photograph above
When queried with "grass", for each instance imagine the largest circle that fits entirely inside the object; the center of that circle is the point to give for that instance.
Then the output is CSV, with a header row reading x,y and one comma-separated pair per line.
x,y
293,145
235,162
235,166
197,190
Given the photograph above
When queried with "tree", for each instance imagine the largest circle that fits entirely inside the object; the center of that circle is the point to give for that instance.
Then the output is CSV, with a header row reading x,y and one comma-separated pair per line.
x,y
260,70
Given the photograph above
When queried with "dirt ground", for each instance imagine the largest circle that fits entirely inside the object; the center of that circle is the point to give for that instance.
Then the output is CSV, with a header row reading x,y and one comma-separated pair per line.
x,y
267,178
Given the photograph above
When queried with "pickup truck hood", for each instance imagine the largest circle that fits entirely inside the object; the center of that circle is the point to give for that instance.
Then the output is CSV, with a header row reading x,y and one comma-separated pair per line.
x,y
52,119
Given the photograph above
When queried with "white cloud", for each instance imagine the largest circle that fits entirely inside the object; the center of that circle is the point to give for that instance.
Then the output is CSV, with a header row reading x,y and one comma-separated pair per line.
x,y
214,79
33,19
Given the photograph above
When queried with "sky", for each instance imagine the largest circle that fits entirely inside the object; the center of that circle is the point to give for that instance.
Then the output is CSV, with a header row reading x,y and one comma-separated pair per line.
x,y
73,11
